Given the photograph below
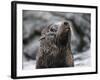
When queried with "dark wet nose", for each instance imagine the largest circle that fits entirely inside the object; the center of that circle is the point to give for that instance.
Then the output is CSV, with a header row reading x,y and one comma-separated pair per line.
x,y
67,27
65,23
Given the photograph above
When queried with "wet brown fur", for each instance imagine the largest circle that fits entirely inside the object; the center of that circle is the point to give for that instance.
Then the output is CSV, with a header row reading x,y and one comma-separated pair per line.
x,y
55,49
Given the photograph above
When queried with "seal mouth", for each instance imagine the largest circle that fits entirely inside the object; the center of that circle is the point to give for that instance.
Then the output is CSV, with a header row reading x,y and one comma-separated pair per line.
x,y
67,29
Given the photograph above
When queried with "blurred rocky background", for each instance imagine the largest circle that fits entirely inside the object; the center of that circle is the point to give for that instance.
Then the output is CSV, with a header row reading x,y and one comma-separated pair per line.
x,y
35,21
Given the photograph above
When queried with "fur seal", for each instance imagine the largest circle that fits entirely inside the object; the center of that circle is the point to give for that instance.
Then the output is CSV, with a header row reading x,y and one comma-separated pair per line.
x,y
55,49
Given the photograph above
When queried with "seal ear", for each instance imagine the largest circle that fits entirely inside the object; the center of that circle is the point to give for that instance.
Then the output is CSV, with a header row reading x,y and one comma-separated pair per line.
x,y
44,31
42,37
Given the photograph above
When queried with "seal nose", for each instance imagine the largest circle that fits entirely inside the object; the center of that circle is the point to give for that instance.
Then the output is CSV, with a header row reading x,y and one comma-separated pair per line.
x,y
65,23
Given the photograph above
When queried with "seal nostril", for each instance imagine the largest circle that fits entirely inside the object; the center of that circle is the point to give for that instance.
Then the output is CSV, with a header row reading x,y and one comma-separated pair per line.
x,y
66,23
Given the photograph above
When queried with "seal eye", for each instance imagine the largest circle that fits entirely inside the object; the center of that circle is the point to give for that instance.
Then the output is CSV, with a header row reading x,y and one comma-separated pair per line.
x,y
53,29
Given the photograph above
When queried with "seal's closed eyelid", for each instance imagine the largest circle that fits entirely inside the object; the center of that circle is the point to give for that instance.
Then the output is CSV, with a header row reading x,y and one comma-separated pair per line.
x,y
53,28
